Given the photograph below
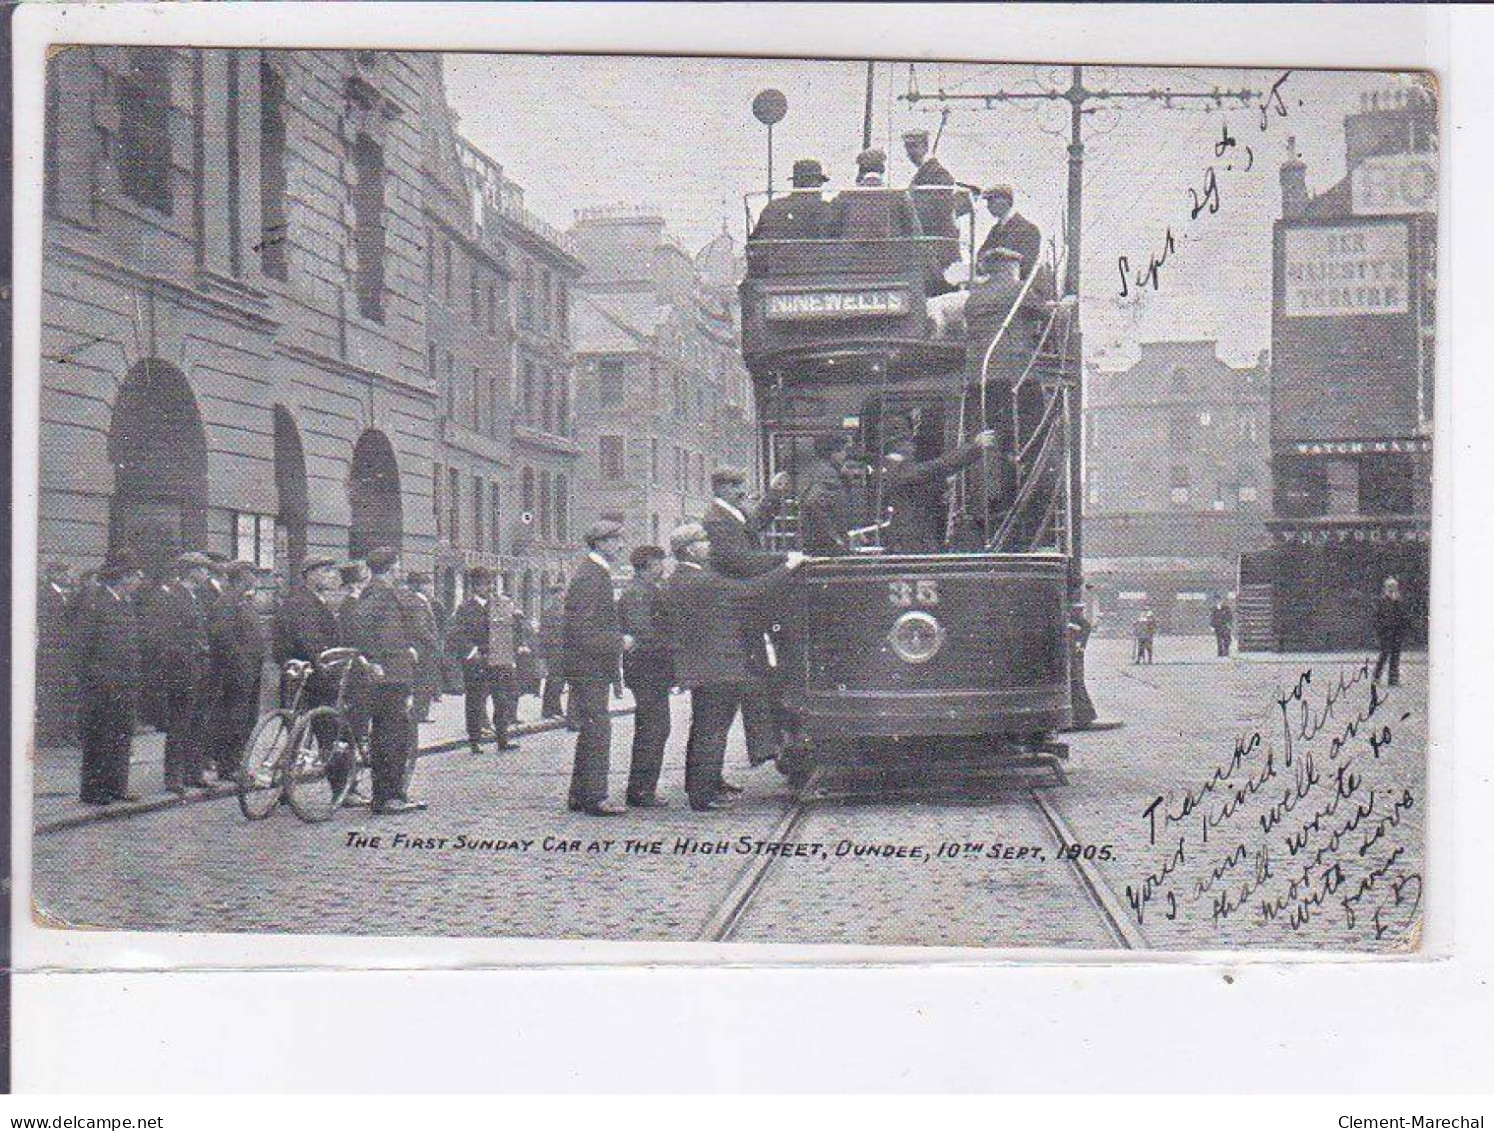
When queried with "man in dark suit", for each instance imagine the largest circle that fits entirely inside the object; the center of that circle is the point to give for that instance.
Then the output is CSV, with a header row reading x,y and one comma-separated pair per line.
x,y
106,657
186,650
551,647
872,211
938,206
380,626
1013,239
649,674
804,214
593,640
428,671
735,531
483,634
913,489
704,610
1390,627
238,644
824,510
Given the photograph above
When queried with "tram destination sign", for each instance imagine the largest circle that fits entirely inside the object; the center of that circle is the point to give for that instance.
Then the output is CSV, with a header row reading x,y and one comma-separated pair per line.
x,y
870,302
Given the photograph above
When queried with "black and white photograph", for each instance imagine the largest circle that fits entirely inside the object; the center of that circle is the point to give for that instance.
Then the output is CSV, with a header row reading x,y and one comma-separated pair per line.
x,y
661,498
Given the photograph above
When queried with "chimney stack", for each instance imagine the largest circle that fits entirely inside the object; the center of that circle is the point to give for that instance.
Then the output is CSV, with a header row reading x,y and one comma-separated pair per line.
x,y
1293,184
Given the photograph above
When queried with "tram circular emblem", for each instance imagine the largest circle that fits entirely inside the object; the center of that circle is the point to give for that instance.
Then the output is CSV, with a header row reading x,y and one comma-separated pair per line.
x,y
916,637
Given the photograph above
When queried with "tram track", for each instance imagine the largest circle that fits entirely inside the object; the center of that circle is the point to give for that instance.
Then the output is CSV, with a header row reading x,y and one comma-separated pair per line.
x,y
734,909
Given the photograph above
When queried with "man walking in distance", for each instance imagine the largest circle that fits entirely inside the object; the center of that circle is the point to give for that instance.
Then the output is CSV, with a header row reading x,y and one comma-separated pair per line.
x,y
1390,625
106,655
648,673
1222,621
238,638
737,550
593,639
378,626
703,611
186,649
483,631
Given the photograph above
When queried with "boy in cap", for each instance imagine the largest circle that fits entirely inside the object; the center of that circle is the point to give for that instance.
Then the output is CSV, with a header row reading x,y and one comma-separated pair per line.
x,y
593,641
106,654
872,211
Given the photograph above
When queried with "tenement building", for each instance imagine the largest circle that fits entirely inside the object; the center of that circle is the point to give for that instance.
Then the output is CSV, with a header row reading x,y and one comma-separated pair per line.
x,y
1176,482
233,341
1353,323
662,394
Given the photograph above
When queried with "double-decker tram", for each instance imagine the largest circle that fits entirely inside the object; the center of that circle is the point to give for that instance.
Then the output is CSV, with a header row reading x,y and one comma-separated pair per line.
x,y
934,630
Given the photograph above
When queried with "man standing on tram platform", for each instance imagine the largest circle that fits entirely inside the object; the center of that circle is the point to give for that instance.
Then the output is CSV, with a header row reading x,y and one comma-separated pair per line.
x,y
938,211
824,510
1013,239
913,490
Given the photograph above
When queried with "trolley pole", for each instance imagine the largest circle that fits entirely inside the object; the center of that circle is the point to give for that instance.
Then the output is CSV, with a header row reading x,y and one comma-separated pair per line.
x,y
866,115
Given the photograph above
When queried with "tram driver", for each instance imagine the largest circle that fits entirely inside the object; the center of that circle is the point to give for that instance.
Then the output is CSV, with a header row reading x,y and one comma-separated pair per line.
x,y
913,490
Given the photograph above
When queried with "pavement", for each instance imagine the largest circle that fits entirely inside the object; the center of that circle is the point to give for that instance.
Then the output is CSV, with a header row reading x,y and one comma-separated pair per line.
x,y
498,854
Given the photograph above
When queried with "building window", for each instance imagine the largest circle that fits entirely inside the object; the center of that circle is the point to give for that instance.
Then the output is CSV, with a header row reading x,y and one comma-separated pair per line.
x,y
368,226
450,386
1180,432
476,399
563,402
528,400
653,460
612,387
562,310
232,145
274,223
476,297
437,483
544,505
610,458
144,103
446,279
479,511
1248,493
681,402
1180,486
495,519
1205,419
494,406
526,494
547,401
545,301
454,506
254,539
526,297
435,375
562,509
492,309
430,261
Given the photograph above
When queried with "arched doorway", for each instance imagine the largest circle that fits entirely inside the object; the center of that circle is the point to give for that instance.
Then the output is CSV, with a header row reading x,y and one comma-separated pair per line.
x,y
374,495
159,452
290,490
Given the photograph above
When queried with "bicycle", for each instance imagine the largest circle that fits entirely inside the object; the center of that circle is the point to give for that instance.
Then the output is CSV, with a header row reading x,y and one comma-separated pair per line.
x,y
261,777
327,747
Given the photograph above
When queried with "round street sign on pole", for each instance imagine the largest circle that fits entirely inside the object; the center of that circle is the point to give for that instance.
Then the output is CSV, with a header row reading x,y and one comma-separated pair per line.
x,y
769,107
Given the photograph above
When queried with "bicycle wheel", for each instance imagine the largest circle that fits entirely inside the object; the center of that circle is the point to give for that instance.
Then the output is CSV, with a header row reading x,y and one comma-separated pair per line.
x,y
321,765
262,767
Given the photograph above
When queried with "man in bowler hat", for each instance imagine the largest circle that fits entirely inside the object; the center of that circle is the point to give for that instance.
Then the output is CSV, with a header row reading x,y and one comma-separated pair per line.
x,y
106,655
804,214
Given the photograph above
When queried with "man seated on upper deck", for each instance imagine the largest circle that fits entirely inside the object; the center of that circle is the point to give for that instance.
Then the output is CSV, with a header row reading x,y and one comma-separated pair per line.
x,y
804,214
871,211
913,491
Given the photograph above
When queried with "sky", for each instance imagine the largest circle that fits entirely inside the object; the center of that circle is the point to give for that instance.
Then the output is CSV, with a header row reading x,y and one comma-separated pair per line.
x,y
678,134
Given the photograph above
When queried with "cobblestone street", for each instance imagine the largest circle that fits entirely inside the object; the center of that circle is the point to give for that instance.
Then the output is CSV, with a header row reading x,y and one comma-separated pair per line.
x,y
498,855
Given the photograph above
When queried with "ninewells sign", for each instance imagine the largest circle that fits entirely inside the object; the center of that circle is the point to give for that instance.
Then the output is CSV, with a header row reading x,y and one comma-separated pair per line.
x,y
808,306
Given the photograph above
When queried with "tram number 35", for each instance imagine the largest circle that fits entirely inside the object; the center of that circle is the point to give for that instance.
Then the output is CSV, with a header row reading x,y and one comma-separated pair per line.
x,y
908,594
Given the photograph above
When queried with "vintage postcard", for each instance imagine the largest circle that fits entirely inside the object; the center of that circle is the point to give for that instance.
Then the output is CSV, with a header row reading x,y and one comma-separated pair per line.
x,y
734,499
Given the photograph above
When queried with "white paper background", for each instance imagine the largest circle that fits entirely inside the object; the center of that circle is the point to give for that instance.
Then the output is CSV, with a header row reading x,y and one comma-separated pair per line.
x,y
1184,1024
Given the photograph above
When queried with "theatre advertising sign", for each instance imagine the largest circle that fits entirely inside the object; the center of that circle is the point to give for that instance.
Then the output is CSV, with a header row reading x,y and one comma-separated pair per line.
x,y
1347,269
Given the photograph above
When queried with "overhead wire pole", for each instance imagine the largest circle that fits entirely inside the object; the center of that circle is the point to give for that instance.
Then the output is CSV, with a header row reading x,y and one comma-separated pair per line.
x,y
866,117
1078,96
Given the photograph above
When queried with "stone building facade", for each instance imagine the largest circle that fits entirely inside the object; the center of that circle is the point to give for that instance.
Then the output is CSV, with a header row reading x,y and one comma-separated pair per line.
x,y
1176,479
662,394
234,330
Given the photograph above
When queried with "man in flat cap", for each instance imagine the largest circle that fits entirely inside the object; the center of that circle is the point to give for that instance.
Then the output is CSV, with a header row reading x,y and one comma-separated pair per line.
x,y
186,649
380,628
239,647
428,671
872,211
704,610
647,672
106,656
914,489
593,642
937,205
1013,245
483,634
804,214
